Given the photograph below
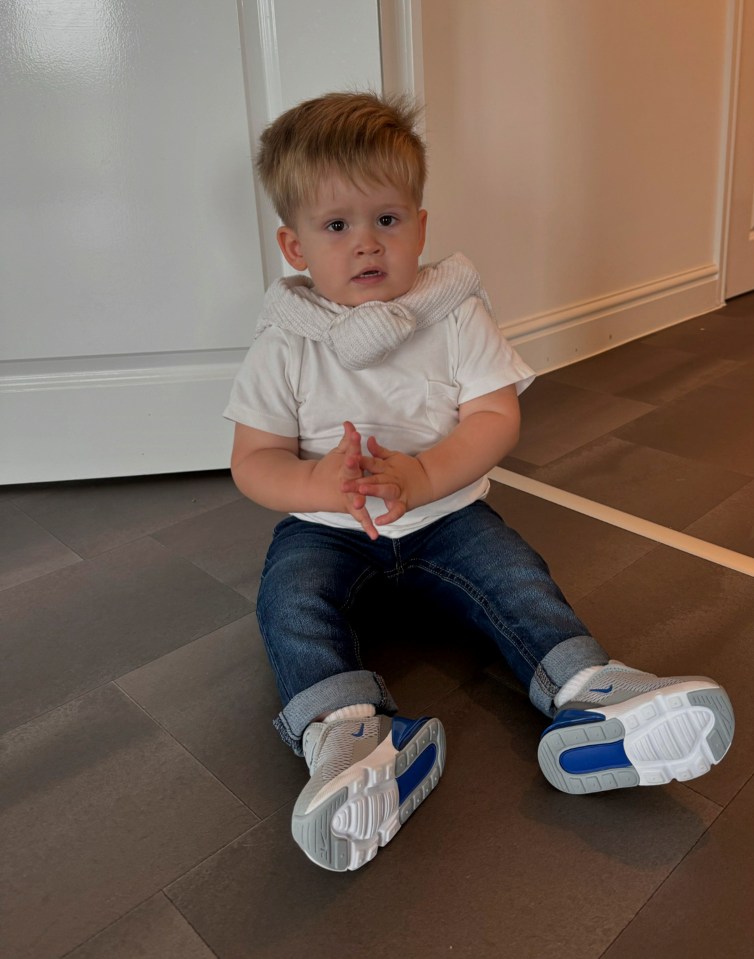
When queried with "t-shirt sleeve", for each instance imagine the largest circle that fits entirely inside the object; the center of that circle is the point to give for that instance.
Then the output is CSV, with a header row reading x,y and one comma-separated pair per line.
x,y
486,360
263,394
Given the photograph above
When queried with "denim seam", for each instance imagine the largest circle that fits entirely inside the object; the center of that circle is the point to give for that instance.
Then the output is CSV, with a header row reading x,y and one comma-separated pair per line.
x,y
399,567
273,662
348,604
351,598
478,598
544,682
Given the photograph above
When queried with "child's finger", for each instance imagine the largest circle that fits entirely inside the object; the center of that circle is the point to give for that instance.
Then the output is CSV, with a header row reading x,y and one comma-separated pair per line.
x,y
366,523
376,449
397,509
385,490
371,464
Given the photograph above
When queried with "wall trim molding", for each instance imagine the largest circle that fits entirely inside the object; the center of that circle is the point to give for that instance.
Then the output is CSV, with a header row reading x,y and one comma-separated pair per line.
x,y
401,47
555,338
96,373
728,135
550,319
264,101
60,424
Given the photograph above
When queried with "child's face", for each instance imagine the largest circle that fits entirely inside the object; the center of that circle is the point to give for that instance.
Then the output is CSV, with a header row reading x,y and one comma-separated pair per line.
x,y
358,244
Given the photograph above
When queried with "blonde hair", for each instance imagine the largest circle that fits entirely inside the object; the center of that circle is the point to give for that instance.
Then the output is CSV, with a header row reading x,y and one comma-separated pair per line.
x,y
360,136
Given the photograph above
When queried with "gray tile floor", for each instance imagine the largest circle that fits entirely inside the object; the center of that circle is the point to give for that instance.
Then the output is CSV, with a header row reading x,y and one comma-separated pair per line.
x,y
146,798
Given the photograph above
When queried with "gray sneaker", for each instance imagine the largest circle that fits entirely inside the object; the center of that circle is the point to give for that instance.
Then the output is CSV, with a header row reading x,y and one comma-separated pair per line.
x,y
629,728
367,777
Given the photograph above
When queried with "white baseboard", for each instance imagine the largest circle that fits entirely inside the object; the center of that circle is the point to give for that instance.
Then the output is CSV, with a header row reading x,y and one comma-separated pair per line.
x,y
114,416
551,340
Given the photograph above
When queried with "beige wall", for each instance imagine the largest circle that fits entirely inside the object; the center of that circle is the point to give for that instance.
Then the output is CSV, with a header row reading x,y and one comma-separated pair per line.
x,y
578,155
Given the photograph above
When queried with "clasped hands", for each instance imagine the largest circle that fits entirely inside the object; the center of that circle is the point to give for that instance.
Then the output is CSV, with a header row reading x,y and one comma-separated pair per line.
x,y
398,479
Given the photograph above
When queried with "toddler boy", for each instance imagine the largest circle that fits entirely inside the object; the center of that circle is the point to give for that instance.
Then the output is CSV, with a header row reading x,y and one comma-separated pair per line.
x,y
371,345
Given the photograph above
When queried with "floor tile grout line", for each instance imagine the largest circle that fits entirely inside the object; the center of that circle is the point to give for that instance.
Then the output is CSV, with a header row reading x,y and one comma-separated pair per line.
x,y
114,681
154,895
647,902
143,709
690,784
186,919
197,865
718,555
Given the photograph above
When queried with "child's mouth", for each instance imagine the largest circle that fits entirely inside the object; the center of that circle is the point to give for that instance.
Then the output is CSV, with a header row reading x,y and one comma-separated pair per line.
x,y
369,275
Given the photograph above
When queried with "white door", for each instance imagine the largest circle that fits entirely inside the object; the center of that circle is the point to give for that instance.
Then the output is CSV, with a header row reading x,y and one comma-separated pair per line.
x,y
131,264
739,276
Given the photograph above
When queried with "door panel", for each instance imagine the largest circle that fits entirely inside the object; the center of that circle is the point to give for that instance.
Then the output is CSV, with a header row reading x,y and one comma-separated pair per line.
x,y
131,270
128,241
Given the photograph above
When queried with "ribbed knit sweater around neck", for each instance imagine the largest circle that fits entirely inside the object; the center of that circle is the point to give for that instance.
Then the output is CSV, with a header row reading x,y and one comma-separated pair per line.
x,y
362,336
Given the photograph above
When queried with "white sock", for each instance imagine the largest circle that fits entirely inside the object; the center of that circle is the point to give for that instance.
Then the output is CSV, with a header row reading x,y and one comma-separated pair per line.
x,y
358,711
574,684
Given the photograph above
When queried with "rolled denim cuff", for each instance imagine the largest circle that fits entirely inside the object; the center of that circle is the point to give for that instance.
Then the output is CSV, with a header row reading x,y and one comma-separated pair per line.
x,y
559,665
344,689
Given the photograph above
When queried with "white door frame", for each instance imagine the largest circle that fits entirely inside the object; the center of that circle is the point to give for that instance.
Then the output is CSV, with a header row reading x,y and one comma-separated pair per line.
x,y
738,223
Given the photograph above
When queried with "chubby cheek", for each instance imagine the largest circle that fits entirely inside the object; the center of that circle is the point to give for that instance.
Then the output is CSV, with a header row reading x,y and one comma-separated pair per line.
x,y
409,276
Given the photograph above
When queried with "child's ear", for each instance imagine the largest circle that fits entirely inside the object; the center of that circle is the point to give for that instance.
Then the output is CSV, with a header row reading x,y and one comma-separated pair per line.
x,y
290,246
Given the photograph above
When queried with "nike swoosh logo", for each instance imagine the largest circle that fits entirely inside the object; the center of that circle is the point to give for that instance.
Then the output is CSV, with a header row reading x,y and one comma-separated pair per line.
x,y
361,731
607,689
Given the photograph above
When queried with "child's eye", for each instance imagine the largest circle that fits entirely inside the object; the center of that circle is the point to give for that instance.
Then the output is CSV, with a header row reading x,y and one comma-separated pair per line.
x,y
336,226
387,219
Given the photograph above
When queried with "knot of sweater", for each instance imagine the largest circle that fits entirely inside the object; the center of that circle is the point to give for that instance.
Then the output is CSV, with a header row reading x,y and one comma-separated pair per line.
x,y
364,335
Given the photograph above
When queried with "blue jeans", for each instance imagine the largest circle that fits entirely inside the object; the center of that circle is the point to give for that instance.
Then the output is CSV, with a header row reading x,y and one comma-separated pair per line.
x,y
469,564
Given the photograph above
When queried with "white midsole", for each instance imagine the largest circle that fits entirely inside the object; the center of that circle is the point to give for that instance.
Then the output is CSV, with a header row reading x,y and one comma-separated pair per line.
x,y
665,733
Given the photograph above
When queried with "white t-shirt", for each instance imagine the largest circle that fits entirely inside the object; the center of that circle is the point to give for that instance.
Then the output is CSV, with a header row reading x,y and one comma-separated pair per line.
x,y
294,386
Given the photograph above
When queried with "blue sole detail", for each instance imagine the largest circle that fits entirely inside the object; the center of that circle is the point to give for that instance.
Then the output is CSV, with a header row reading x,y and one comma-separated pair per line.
x,y
404,729
416,772
582,760
573,717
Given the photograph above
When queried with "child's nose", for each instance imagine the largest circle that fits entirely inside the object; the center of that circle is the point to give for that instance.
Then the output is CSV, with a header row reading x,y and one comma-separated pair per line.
x,y
368,241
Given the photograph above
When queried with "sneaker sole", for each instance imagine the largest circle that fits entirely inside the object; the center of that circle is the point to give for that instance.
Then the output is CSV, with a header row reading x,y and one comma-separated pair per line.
x,y
387,787
673,734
